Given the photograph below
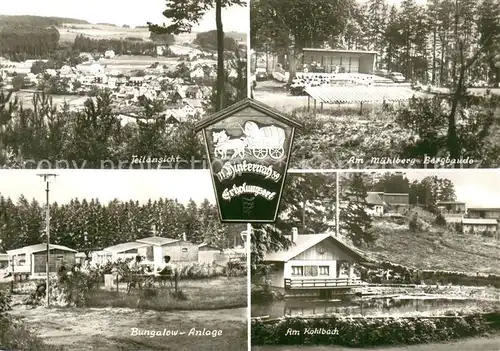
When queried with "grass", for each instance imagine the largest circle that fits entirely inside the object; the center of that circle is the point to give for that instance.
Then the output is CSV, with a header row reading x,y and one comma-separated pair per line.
x,y
436,249
206,294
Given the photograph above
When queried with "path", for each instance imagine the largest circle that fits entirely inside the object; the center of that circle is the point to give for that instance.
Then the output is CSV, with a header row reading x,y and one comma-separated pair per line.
x,y
111,328
474,344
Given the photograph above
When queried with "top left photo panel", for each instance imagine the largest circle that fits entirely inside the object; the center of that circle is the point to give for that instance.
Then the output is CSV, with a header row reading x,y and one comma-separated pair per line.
x,y
116,84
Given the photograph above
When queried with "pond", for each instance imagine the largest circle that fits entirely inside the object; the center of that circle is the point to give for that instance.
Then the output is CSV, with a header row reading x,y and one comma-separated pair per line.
x,y
364,306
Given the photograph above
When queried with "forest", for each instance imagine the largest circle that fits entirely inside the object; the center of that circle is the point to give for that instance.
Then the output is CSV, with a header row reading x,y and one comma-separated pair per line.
x,y
120,47
428,43
88,225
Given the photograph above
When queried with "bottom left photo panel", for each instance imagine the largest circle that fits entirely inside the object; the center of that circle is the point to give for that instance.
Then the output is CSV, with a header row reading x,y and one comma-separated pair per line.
x,y
119,260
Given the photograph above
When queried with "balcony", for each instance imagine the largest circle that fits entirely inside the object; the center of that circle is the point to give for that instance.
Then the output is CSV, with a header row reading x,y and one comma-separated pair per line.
x,y
321,283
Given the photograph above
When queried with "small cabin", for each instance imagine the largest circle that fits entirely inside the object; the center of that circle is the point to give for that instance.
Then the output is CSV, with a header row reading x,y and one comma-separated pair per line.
x,y
208,253
314,262
179,250
479,225
32,260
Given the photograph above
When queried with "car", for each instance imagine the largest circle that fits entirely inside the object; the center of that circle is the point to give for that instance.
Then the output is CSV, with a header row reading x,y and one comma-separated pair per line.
x,y
261,74
397,77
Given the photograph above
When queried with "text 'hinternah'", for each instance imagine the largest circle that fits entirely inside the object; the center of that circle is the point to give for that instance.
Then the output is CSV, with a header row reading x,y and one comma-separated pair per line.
x,y
230,171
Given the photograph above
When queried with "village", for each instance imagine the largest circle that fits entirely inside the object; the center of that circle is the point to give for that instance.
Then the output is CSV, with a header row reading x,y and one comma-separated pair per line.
x,y
181,82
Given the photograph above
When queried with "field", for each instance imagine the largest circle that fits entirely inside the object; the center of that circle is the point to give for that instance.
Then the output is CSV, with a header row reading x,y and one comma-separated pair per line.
x,y
474,344
69,32
126,63
215,304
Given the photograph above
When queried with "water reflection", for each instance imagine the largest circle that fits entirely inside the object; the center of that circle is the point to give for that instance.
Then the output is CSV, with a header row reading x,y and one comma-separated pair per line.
x,y
363,306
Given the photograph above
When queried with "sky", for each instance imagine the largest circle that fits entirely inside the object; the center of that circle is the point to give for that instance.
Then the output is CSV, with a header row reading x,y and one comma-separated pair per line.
x,y
137,185
120,12
475,187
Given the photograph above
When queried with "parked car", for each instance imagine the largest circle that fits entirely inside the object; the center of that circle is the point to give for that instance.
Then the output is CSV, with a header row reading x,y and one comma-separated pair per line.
x,y
261,74
397,77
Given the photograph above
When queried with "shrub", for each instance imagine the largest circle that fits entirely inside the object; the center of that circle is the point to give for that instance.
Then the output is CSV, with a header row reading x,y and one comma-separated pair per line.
x,y
413,224
363,332
440,220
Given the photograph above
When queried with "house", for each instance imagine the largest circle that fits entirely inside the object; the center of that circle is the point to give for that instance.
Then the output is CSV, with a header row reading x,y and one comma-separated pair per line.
x,y
198,72
135,81
208,253
479,225
396,199
109,54
123,251
375,203
33,259
314,262
486,212
179,250
335,61
452,207
193,92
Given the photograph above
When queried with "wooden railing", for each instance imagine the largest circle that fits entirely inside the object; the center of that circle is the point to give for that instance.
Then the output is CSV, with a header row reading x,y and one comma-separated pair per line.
x,y
321,283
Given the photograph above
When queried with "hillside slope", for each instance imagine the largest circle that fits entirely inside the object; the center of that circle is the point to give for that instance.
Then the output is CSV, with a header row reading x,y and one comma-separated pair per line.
x,y
433,247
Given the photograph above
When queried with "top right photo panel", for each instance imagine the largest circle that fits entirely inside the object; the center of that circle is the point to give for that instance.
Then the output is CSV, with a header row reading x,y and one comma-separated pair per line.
x,y
382,83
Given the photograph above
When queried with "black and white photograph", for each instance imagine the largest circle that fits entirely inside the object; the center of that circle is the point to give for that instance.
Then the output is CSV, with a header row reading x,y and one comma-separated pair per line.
x,y
116,84
380,260
386,84
124,260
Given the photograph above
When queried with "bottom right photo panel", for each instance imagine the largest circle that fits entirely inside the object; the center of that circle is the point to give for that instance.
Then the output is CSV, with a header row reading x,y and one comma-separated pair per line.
x,y
382,260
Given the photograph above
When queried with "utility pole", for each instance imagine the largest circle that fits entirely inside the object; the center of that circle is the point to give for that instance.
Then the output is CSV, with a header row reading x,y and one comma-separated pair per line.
x,y
337,205
46,178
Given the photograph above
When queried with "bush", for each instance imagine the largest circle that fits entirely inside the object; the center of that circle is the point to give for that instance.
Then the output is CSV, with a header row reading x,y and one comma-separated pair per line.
x,y
440,220
413,224
363,332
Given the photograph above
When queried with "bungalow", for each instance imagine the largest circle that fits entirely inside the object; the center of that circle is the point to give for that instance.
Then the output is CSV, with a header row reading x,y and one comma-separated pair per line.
x,y
124,251
208,253
179,250
479,225
478,212
451,207
375,203
314,262
33,259
396,199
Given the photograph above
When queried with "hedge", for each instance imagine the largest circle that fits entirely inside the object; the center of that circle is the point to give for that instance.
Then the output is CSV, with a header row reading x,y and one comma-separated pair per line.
x,y
374,331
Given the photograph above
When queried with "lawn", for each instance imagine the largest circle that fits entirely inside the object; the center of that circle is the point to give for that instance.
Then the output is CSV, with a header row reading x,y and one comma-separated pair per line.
x,y
203,294
117,321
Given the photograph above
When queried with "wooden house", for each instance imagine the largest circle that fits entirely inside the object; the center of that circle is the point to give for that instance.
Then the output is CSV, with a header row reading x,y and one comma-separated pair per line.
x,y
32,260
123,251
479,225
208,253
179,250
396,199
314,262
452,207
375,203
484,212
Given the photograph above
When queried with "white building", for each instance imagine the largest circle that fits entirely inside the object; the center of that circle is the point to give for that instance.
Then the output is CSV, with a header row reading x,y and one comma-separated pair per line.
x,y
109,54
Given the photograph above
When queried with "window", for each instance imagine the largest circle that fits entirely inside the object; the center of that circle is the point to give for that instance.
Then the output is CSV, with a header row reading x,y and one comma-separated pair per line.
x,y
297,270
324,270
184,249
59,258
310,271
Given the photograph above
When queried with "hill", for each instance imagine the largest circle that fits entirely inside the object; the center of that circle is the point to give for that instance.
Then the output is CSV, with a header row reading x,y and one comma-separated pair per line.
x,y
7,21
433,247
237,36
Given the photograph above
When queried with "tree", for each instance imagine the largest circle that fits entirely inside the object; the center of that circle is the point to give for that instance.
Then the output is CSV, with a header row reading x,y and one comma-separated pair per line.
x,y
184,14
288,27
354,220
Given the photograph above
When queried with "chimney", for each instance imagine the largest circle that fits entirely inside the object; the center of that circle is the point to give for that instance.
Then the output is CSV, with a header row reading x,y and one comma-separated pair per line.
x,y
295,233
184,237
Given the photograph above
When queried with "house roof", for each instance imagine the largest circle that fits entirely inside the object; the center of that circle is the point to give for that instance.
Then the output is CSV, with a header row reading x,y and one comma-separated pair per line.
x,y
37,248
453,219
450,203
207,245
304,242
374,198
157,241
256,105
124,247
340,51
479,221
491,209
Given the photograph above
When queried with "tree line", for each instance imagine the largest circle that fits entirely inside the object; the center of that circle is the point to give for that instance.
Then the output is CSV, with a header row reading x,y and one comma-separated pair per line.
x,y
120,47
19,43
428,43
88,225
